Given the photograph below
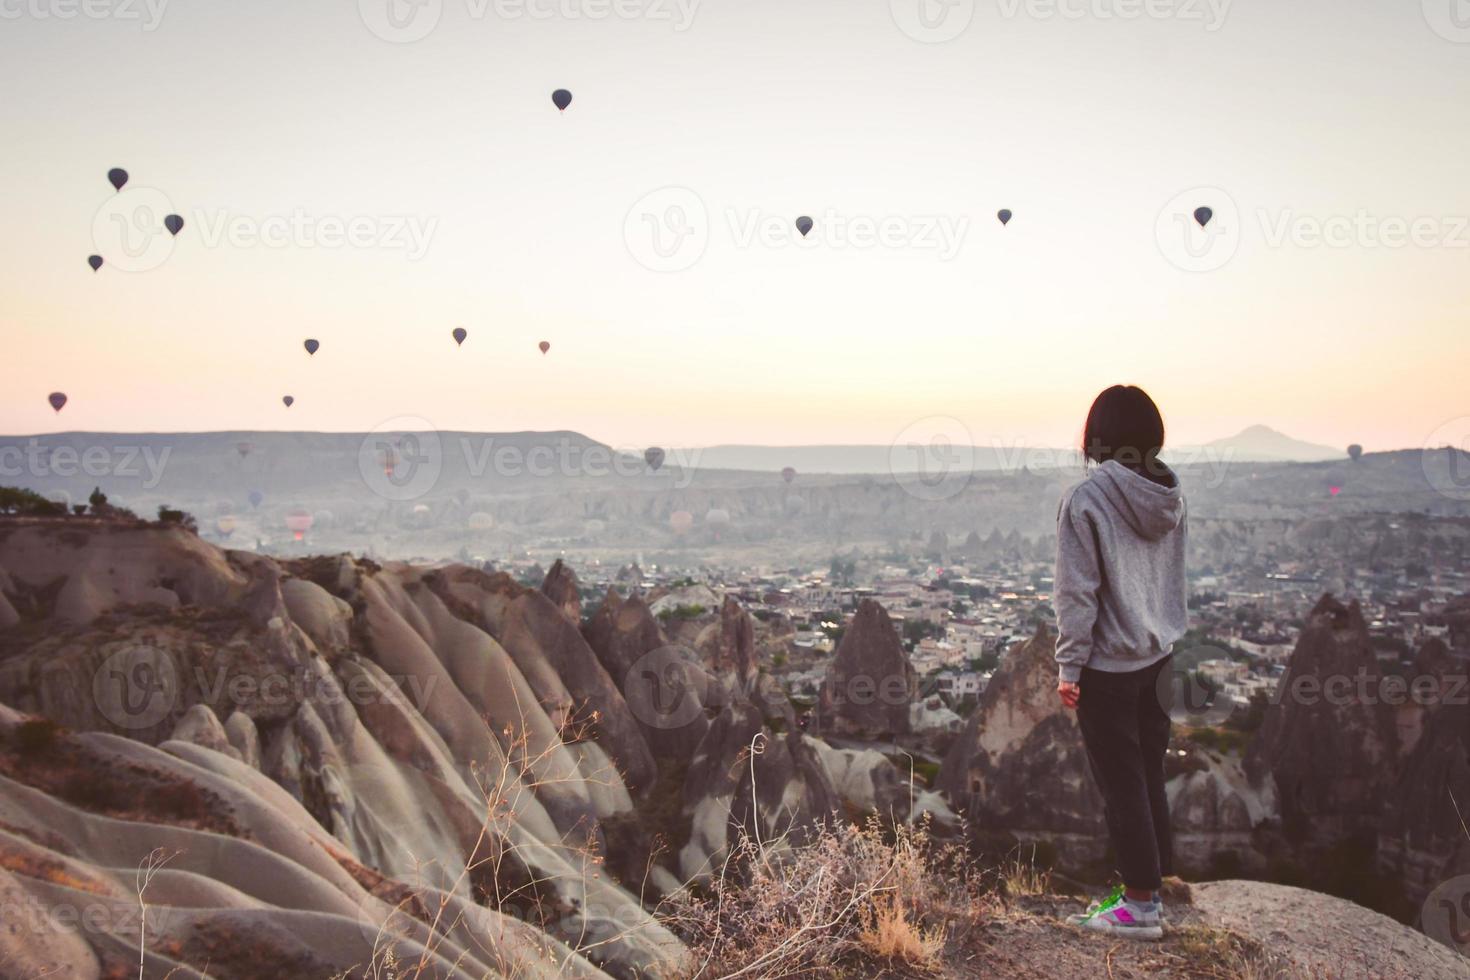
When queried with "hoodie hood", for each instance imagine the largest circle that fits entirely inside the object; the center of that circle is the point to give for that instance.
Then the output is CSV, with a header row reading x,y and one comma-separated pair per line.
x,y
1151,510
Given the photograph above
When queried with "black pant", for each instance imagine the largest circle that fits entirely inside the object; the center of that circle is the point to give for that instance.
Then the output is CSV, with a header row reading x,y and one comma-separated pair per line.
x,y
1126,732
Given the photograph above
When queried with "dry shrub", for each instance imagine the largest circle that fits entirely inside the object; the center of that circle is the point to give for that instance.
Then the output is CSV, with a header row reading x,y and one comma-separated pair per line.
x,y
889,934
853,893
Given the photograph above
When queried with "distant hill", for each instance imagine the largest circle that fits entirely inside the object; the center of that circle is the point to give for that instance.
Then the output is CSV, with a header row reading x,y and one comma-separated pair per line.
x,y
1264,444
1258,443
872,458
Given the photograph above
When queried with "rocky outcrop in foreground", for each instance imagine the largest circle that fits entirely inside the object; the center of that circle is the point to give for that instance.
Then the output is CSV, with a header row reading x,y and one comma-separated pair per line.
x,y
329,767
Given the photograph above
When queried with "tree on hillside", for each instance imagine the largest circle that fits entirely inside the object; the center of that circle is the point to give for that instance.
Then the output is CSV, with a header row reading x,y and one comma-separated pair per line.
x,y
16,500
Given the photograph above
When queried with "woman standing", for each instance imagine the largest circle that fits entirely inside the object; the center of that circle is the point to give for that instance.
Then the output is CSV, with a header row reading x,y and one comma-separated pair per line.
x,y
1121,604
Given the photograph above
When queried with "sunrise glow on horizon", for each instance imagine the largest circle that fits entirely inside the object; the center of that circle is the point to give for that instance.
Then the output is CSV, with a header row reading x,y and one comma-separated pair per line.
x,y
376,193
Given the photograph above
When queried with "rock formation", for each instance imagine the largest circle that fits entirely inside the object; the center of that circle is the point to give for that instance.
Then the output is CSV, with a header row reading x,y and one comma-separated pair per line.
x,y
870,683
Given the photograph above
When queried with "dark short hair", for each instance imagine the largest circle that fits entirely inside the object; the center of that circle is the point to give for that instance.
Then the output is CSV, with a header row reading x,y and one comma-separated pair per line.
x,y
1124,424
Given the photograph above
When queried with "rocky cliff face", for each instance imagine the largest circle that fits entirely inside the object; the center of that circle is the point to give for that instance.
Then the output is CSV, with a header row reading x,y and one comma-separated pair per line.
x,y
339,762
1330,750
870,684
1020,773
1380,755
372,743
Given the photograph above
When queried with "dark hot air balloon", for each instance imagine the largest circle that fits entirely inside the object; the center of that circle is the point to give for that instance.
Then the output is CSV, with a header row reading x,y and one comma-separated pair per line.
x,y
545,346
803,225
1354,451
117,177
788,474
288,401
1004,214
460,333
1203,216
654,457
561,98
311,346
174,224
57,400
243,448
95,261
255,497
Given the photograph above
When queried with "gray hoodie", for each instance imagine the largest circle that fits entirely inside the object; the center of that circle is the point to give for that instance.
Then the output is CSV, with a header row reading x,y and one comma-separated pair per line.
x,y
1120,590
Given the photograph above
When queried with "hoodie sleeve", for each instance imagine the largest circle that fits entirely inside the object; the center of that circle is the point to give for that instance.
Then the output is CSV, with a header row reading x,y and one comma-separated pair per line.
x,y
1078,578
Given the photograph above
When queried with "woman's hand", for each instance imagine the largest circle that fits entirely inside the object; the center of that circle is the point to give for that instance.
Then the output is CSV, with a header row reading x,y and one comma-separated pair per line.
x,y
1069,693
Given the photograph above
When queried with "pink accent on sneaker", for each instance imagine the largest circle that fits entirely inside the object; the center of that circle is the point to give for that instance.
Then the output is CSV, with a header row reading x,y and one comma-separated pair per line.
x,y
1122,915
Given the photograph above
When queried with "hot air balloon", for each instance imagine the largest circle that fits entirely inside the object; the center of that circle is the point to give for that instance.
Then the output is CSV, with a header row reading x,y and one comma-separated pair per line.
x,y
460,333
1354,451
545,346
95,261
174,224
298,522
117,177
311,346
654,457
255,497
803,225
288,401
1203,216
1004,214
461,496
788,474
225,525
57,400
681,521
717,516
561,98
481,521
1334,491
243,448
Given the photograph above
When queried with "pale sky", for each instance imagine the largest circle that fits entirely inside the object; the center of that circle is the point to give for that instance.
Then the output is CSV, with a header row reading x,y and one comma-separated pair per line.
x,y
1095,130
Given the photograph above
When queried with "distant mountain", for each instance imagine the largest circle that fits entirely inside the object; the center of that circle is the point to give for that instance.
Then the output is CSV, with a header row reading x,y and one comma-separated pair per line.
x,y
1265,444
875,458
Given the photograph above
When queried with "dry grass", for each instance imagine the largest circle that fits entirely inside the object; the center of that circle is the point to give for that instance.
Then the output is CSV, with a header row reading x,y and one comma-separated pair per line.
x,y
889,934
